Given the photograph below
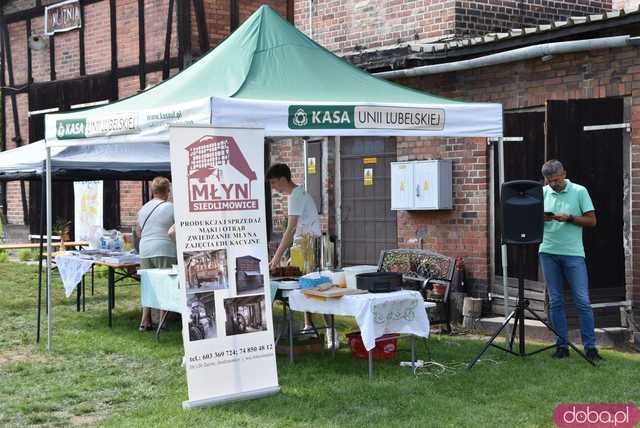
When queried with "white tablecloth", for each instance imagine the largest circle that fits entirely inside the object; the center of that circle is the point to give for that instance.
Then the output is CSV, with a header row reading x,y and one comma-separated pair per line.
x,y
376,313
160,289
71,269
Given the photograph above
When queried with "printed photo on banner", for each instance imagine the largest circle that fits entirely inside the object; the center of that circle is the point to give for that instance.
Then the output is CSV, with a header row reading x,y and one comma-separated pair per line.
x,y
206,270
245,315
249,279
202,319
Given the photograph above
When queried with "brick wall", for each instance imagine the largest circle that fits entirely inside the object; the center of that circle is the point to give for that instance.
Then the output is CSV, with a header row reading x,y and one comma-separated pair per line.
x,y
218,16
345,26
126,32
341,25
155,18
291,152
627,5
67,55
18,40
478,17
130,202
526,84
247,7
462,231
97,41
98,59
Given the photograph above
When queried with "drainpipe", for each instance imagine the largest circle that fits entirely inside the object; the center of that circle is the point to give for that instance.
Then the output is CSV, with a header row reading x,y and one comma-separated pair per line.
x,y
311,19
514,55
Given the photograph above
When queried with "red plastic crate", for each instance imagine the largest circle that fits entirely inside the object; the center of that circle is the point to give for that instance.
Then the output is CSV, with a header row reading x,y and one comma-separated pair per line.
x,y
386,346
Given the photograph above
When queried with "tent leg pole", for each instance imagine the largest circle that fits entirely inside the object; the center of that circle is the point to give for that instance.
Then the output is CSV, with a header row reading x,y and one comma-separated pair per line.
x,y
49,231
43,190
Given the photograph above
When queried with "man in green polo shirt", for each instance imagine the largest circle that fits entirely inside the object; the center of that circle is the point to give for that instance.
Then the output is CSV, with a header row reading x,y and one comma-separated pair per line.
x,y
568,208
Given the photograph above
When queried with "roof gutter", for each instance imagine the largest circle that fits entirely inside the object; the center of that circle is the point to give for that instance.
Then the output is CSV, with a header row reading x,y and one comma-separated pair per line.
x,y
514,55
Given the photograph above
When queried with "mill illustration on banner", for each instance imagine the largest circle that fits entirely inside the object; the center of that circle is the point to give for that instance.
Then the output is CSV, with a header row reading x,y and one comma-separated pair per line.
x,y
221,241
220,178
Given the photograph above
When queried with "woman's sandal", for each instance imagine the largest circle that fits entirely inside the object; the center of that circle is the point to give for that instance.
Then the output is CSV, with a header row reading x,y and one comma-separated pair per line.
x,y
145,327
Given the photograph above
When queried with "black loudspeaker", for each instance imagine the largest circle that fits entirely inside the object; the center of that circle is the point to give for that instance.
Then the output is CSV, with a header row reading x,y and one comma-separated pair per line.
x,y
522,207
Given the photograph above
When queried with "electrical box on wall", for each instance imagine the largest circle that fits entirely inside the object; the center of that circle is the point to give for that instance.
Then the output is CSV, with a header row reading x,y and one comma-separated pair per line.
x,y
421,185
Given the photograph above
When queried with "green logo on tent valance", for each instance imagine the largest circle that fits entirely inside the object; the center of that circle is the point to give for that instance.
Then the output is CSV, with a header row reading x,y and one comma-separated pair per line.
x,y
70,128
365,117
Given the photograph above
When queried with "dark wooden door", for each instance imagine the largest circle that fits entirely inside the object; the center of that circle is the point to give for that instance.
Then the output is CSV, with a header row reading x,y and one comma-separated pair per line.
x,y
522,161
368,225
594,159
63,95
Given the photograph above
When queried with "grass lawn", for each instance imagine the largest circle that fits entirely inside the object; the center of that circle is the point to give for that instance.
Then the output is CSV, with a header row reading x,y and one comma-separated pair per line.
x,y
120,377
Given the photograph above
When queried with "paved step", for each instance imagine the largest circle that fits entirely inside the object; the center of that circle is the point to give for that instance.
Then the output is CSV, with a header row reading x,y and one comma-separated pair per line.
x,y
610,337
16,233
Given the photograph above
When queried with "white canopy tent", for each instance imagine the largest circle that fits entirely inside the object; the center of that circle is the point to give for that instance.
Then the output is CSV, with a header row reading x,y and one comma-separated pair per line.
x,y
127,161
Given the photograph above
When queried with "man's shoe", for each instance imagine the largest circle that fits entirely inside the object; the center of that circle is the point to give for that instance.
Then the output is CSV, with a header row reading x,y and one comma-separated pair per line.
x,y
561,352
592,354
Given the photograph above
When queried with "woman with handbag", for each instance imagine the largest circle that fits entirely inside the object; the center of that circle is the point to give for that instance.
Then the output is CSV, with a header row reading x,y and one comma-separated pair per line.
x,y
157,249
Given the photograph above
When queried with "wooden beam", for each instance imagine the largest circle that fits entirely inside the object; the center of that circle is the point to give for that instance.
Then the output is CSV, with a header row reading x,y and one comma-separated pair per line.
x,y
114,46
142,56
29,64
3,84
167,43
151,67
290,11
81,48
3,123
52,58
16,118
234,15
131,70
203,34
183,10
14,102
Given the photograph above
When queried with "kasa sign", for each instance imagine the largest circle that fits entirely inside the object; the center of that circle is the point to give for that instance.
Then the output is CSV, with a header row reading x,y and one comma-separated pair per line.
x,y
219,176
365,117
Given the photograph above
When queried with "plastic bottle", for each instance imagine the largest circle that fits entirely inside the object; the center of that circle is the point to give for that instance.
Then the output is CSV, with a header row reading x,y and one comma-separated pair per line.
x,y
117,244
103,243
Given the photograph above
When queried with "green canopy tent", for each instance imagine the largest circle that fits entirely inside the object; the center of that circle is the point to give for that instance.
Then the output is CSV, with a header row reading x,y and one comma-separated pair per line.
x,y
268,74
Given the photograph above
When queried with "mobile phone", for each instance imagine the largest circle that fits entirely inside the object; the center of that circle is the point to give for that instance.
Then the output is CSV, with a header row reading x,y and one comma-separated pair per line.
x,y
548,213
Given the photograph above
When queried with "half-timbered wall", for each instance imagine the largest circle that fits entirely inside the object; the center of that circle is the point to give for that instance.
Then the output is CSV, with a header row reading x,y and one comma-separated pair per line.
x,y
127,38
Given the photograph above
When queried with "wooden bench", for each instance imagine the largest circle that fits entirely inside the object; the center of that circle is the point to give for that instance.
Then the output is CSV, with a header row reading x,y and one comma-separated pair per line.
x,y
425,271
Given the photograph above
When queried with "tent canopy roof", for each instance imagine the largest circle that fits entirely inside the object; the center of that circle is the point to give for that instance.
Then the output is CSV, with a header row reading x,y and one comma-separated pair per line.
x,y
122,161
268,61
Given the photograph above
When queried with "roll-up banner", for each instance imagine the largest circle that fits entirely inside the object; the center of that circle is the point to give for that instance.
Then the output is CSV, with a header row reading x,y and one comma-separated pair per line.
x,y
87,196
227,327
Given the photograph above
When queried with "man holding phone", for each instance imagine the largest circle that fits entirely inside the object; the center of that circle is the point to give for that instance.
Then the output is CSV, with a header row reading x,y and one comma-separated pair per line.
x,y
567,209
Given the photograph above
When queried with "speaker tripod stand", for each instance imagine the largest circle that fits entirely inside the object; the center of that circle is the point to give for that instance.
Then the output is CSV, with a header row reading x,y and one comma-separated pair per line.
x,y
517,315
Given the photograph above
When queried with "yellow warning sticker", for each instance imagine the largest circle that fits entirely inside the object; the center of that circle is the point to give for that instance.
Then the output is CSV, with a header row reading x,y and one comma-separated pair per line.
x,y
368,176
311,165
